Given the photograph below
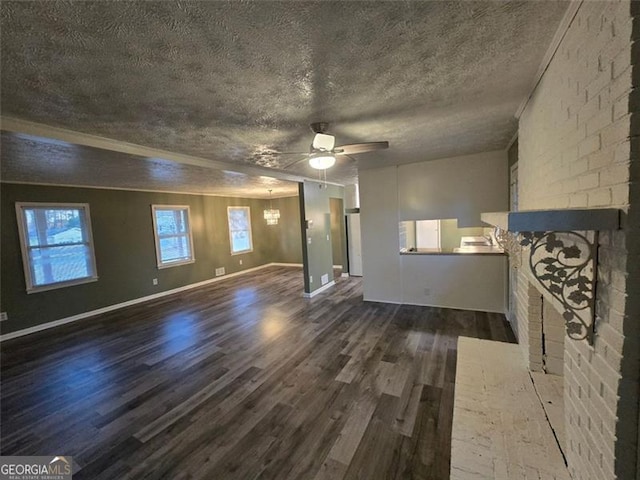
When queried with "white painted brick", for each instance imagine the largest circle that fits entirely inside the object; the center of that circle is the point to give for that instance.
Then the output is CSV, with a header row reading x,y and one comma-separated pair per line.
x,y
620,195
619,280
578,200
621,86
621,62
600,198
589,110
615,133
617,299
589,145
622,152
599,82
555,347
616,319
601,158
589,182
613,337
599,121
575,151
615,174
620,108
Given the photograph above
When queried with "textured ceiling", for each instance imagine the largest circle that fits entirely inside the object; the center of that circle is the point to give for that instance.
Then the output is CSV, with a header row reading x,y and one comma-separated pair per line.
x,y
28,159
239,82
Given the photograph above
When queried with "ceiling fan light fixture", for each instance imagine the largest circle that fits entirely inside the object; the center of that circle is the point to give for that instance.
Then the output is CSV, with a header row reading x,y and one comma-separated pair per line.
x,y
323,142
322,161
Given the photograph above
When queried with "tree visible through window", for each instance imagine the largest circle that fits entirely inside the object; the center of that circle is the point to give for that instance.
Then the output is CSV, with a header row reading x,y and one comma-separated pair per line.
x,y
174,245
240,229
57,246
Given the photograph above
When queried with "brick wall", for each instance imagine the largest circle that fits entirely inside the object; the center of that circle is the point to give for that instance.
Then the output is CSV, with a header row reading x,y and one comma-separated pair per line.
x,y
576,149
553,330
529,320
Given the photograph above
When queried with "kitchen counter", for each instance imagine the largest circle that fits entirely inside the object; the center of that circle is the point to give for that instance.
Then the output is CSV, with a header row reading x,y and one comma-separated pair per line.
x,y
475,250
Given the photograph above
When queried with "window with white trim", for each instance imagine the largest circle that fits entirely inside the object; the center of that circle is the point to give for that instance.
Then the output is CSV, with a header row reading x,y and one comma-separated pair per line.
x,y
57,244
240,229
172,231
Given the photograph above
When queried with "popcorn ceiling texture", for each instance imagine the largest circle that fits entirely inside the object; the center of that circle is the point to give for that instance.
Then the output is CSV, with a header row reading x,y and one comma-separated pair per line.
x,y
230,81
578,141
26,159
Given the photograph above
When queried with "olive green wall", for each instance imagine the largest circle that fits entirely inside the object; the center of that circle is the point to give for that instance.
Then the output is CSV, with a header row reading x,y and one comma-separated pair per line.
x,y
125,249
338,247
286,241
317,248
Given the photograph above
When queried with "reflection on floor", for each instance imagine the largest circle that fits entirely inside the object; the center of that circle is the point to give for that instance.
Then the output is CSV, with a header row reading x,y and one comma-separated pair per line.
x,y
243,379
500,430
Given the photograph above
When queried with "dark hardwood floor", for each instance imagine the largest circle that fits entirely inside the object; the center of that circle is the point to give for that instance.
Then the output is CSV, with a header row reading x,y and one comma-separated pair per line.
x,y
243,379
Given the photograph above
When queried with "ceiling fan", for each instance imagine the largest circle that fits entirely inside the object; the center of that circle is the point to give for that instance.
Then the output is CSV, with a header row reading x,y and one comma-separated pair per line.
x,y
323,151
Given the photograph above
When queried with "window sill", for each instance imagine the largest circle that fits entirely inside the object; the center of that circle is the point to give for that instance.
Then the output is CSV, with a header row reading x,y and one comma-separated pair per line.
x,y
175,264
242,252
55,286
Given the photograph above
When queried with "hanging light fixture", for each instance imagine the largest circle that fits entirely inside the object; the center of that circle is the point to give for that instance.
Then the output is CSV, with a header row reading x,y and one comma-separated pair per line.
x,y
322,161
271,215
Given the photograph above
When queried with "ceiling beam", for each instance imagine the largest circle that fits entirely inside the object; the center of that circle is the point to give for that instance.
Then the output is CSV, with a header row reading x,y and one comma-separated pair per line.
x,y
17,125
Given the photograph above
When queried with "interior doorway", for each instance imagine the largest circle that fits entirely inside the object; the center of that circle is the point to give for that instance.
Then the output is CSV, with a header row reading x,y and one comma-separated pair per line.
x,y
338,234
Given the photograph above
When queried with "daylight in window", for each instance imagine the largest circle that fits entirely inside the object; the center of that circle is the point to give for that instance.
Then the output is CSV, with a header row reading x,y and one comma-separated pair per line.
x,y
174,244
240,229
57,245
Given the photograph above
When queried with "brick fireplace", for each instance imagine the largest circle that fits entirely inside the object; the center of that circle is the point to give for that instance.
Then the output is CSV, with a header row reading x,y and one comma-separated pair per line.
x,y
578,147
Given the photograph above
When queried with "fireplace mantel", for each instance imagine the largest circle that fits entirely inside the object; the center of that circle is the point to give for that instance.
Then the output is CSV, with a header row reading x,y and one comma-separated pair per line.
x,y
563,255
563,220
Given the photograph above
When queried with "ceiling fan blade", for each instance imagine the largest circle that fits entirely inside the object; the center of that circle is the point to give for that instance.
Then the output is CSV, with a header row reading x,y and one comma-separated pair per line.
x,y
354,148
291,164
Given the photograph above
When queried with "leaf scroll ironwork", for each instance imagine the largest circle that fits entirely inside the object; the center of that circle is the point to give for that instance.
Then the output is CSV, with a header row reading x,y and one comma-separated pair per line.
x,y
563,263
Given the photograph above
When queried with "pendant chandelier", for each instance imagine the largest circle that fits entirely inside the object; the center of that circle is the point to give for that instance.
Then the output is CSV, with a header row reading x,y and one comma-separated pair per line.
x,y
271,215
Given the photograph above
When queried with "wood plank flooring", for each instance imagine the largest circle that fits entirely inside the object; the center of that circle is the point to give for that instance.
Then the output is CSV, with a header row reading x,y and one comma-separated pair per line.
x,y
243,379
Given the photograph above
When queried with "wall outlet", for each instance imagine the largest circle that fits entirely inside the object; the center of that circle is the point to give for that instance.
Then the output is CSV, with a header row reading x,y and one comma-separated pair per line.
x,y
220,271
328,237
310,278
240,262
324,279
309,241
154,281
3,316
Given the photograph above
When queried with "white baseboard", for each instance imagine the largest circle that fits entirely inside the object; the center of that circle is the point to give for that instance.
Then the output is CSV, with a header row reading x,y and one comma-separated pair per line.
x,y
110,308
320,290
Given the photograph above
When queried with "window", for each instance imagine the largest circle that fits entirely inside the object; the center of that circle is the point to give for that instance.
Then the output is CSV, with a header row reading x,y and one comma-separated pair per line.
x,y
172,230
240,229
57,245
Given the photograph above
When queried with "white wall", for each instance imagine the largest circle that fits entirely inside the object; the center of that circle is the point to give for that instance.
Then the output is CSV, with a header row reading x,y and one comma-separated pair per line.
x,y
460,187
469,282
380,240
